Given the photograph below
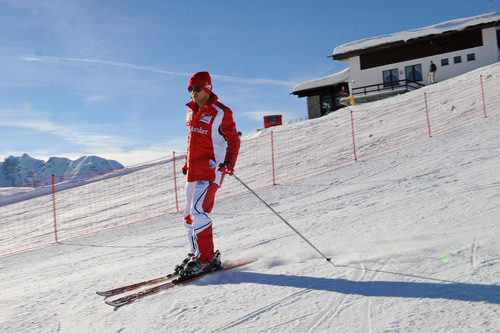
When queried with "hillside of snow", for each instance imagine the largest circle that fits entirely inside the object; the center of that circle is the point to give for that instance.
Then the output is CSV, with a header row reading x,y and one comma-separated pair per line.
x,y
413,234
24,170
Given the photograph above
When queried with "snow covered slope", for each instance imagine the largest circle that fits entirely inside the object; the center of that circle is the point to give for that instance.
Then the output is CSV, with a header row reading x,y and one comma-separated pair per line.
x,y
413,233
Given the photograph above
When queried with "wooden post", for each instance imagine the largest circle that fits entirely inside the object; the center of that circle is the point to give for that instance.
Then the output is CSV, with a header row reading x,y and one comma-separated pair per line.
x,y
272,157
482,93
54,207
427,113
353,138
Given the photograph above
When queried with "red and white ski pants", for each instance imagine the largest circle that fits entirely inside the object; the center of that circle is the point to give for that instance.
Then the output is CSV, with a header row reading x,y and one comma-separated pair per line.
x,y
200,197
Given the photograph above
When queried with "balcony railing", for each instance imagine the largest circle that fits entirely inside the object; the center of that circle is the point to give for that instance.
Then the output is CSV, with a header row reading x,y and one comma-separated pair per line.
x,y
405,85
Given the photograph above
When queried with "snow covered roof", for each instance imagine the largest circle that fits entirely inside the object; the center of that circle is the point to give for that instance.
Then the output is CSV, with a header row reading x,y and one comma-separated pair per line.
x,y
341,51
342,76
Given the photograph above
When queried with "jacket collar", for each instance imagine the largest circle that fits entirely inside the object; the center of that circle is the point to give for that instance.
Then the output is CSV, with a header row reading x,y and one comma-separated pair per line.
x,y
211,101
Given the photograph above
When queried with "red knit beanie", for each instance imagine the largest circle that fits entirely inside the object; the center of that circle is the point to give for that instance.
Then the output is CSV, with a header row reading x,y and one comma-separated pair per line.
x,y
201,79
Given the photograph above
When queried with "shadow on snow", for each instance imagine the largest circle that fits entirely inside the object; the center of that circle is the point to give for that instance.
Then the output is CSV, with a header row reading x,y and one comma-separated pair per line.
x,y
452,291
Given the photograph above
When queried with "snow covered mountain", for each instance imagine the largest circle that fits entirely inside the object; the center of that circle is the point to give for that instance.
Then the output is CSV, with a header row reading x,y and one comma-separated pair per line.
x,y
19,171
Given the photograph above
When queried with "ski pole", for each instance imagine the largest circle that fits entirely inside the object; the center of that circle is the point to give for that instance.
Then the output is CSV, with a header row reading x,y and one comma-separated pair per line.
x,y
282,219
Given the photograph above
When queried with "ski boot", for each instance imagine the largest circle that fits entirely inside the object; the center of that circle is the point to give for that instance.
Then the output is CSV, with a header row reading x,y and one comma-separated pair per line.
x,y
182,265
216,262
195,267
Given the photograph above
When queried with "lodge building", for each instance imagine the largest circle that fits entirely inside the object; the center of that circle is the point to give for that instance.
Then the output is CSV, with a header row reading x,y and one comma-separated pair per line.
x,y
387,65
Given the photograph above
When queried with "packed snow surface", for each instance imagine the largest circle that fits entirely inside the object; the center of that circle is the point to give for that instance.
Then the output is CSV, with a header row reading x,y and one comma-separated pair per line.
x,y
436,29
413,235
342,76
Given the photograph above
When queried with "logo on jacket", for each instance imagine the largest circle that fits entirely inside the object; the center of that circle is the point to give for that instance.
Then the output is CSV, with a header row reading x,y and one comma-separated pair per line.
x,y
199,130
206,119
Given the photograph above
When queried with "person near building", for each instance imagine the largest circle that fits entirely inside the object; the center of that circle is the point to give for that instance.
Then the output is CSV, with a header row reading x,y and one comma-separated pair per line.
x,y
212,149
432,72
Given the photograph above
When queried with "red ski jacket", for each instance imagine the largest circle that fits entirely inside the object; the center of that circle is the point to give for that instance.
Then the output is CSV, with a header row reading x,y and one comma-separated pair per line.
x,y
212,139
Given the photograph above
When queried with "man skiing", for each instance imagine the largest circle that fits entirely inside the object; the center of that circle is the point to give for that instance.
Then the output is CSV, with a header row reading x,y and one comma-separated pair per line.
x,y
212,150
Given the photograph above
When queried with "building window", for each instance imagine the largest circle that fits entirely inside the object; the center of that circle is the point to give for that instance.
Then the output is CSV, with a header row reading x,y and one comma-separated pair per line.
x,y
414,72
471,57
445,62
457,60
390,77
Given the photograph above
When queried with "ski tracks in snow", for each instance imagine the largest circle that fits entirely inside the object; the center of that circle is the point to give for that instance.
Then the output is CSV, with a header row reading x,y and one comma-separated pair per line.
x,y
473,255
331,312
234,323
261,310
369,299
324,320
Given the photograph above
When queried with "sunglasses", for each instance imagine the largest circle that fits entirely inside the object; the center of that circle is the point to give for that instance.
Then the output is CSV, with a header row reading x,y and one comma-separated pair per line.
x,y
195,88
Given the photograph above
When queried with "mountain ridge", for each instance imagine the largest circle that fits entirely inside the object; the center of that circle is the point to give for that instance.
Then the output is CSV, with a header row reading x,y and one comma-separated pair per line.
x,y
22,170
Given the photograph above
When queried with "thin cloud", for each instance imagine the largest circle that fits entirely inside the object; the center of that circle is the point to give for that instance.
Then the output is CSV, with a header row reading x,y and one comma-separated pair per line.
x,y
149,153
90,140
62,60
253,81
95,98
256,115
259,115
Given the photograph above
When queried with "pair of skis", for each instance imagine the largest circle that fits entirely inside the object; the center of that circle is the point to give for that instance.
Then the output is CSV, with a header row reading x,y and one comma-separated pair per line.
x,y
170,280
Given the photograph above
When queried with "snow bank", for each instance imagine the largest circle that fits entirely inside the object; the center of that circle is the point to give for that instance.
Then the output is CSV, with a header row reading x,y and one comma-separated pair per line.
x,y
436,29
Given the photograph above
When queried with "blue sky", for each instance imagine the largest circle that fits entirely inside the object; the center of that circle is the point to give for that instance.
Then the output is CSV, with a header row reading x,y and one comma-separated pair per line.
x,y
109,78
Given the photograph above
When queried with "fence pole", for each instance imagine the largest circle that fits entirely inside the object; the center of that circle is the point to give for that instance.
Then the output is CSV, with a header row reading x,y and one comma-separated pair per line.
x,y
482,93
54,207
427,113
272,157
353,138
175,184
